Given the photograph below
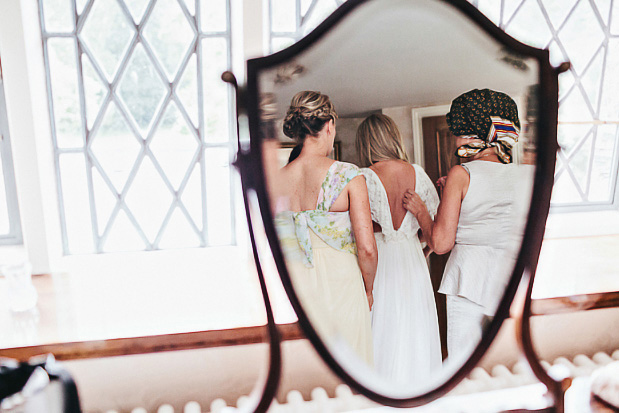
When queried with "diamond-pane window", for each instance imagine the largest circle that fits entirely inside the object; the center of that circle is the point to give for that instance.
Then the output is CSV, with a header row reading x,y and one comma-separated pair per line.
x,y
174,146
585,33
169,34
141,122
291,20
581,36
148,199
95,90
107,33
137,9
187,91
141,89
115,148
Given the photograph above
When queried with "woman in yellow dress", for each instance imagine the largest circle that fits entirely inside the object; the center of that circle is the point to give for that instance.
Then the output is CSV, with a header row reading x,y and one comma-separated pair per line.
x,y
330,247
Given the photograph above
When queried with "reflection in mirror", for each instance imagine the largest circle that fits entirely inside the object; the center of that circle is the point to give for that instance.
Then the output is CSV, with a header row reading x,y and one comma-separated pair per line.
x,y
366,237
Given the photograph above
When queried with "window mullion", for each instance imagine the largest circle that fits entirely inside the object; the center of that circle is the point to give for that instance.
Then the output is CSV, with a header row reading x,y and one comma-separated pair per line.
x,y
79,24
137,226
204,239
52,124
591,156
232,132
194,161
307,14
165,222
85,135
299,18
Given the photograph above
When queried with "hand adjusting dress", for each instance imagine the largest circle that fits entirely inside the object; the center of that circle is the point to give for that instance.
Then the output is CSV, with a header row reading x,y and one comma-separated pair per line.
x,y
324,267
404,322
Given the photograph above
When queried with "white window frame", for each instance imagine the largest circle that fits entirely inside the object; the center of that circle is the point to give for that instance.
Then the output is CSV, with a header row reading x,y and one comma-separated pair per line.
x,y
14,235
77,37
33,153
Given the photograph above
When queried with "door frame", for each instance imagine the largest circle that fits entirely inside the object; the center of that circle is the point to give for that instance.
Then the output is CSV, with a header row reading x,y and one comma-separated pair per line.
x,y
418,114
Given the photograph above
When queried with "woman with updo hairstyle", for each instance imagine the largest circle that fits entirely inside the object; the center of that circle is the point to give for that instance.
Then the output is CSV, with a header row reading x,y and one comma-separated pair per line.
x,y
477,214
405,330
329,209
307,115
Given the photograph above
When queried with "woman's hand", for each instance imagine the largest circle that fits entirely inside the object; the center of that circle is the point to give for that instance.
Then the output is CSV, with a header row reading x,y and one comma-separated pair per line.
x,y
440,184
413,203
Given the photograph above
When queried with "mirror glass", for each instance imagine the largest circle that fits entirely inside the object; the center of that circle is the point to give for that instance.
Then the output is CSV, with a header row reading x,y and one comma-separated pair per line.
x,y
349,242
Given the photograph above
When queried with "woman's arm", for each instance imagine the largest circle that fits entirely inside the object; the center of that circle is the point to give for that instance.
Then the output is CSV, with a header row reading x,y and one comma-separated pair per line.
x,y
441,233
361,219
427,249
413,203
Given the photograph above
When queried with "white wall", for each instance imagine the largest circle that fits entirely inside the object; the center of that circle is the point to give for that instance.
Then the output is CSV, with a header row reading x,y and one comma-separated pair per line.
x,y
346,134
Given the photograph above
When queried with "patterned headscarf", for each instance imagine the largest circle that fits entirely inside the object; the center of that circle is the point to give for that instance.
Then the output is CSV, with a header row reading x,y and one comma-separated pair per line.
x,y
487,115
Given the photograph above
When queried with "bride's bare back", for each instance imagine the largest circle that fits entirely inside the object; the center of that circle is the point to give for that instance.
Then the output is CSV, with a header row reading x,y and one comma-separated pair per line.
x,y
397,177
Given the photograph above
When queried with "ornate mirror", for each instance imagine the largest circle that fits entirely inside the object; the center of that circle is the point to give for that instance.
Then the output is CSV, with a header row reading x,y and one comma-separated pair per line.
x,y
383,324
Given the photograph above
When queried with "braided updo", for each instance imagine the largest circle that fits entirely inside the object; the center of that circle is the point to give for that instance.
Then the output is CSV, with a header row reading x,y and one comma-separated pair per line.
x,y
308,113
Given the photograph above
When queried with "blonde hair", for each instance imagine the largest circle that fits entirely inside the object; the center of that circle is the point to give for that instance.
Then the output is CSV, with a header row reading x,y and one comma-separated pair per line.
x,y
378,139
308,113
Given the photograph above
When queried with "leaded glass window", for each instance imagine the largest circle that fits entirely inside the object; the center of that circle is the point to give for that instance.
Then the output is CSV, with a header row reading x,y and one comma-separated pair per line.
x,y
141,122
290,20
586,33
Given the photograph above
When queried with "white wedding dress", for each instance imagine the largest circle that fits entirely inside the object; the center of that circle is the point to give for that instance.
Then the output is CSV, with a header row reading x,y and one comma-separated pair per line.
x,y
405,332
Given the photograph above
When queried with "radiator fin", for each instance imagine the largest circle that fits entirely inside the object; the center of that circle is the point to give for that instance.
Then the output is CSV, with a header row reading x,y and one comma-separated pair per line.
x,y
479,380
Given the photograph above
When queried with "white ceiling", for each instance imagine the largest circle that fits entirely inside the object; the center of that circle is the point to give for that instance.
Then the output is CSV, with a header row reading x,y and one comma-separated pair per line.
x,y
391,53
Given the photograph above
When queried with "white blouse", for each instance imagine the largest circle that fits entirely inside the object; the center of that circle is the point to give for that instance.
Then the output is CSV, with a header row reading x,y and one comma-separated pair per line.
x,y
483,255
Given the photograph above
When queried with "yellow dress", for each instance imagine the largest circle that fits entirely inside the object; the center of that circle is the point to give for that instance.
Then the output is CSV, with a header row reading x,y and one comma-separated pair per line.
x,y
321,256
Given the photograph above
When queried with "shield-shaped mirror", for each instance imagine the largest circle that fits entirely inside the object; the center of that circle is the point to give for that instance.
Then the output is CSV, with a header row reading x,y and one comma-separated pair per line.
x,y
402,155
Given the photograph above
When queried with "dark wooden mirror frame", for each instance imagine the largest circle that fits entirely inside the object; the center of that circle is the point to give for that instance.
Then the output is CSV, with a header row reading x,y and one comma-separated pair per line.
x,y
250,163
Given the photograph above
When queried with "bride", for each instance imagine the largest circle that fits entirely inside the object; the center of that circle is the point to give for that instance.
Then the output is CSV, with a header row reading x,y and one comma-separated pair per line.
x,y
404,321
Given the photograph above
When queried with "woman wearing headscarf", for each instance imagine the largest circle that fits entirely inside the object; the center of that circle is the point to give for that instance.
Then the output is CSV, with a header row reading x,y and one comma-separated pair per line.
x,y
474,218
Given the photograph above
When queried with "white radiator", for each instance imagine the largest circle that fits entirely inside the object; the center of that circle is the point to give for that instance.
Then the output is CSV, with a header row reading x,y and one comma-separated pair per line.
x,y
479,380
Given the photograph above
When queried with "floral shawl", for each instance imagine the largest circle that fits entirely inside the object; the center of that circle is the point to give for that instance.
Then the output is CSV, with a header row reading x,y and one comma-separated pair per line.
x,y
334,228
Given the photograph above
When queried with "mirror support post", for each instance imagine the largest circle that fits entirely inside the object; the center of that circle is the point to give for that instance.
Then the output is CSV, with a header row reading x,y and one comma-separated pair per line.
x,y
264,393
521,312
556,382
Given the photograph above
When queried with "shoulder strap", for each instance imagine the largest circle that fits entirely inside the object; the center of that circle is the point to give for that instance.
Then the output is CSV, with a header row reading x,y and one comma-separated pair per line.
x,y
379,203
336,180
466,168
426,190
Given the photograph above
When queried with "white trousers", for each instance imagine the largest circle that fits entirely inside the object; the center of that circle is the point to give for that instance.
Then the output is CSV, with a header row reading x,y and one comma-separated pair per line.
x,y
464,326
